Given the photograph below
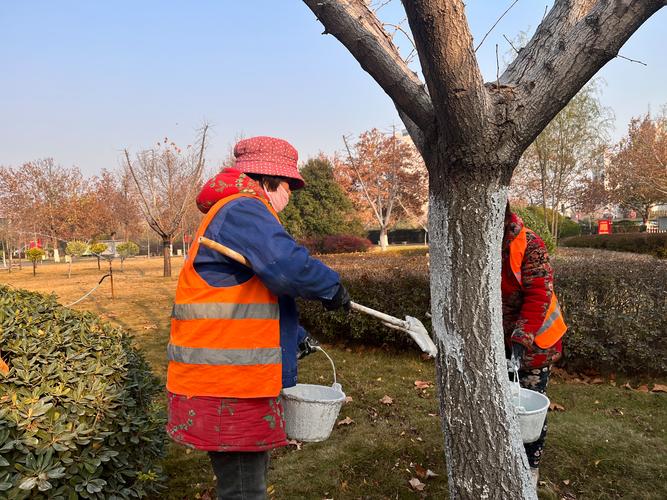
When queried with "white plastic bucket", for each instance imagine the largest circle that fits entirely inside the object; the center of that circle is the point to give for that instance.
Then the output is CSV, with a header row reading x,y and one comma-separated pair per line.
x,y
311,410
531,409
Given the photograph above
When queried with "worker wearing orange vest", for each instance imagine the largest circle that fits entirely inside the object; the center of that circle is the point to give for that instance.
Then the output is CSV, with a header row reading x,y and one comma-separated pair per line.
x,y
532,319
235,335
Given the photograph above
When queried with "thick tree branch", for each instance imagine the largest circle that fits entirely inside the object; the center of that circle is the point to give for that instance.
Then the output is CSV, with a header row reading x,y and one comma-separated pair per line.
x,y
571,44
447,56
358,29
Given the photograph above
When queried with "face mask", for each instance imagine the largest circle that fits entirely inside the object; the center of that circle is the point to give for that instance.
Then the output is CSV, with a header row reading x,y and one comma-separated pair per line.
x,y
278,198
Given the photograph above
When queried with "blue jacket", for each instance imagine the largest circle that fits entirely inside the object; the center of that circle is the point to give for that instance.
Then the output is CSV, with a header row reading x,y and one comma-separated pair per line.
x,y
286,268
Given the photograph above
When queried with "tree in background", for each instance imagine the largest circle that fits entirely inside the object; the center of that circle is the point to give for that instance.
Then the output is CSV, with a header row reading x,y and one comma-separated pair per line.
x,y
380,172
555,166
75,248
167,178
125,250
638,170
57,198
34,255
321,208
97,249
116,209
472,135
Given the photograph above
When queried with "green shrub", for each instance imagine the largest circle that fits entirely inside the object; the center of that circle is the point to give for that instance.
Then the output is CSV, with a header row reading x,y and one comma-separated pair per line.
x,y
614,306
336,243
535,221
625,226
77,409
648,243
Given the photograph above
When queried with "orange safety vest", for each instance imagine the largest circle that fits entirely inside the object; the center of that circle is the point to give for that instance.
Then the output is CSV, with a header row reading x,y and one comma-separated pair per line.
x,y
553,327
225,341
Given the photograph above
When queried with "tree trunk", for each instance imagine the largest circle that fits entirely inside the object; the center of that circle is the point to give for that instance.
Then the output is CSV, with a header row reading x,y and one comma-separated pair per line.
x,y
466,228
167,257
69,269
98,263
34,267
384,238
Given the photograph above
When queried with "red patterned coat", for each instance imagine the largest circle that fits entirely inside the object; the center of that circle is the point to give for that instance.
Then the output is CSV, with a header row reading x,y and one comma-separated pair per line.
x,y
525,305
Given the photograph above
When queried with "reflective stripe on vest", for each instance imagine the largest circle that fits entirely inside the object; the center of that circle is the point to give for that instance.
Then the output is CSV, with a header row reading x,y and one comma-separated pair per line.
x,y
224,341
553,327
213,310
241,357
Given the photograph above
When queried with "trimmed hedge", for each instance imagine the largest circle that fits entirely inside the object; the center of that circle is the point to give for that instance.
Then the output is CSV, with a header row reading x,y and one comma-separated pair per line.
x,y
78,414
336,243
647,243
614,305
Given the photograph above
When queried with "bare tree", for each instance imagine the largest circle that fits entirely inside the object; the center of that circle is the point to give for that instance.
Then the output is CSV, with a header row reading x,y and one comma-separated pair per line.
x,y
560,159
167,178
471,135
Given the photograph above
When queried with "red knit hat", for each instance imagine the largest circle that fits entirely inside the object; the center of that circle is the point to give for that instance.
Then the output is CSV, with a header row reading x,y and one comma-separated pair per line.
x,y
268,156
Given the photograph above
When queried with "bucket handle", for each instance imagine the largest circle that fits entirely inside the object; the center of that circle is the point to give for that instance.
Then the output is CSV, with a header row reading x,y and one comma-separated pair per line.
x,y
333,367
515,388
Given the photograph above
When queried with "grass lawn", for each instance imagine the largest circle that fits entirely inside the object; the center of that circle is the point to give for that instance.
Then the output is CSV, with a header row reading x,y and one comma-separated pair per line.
x,y
610,442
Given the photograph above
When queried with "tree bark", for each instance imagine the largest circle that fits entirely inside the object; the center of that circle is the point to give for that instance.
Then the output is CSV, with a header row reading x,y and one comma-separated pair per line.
x,y
384,238
485,457
166,245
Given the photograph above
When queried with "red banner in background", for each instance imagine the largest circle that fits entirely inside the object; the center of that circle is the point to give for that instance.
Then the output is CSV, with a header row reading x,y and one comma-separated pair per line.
x,y
604,227
36,244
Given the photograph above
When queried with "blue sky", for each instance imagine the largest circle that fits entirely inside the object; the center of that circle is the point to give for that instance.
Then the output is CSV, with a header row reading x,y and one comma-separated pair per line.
x,y
82,80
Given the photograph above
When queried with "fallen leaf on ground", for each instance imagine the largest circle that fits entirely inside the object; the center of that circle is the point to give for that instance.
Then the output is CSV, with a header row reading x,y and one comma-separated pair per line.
x,y
627,386
566,482
416,484
348,399
556,407
659,388
422,384
387,400
420,471
150,327
295,443
345,421
430,473
597,381
643,388
432,414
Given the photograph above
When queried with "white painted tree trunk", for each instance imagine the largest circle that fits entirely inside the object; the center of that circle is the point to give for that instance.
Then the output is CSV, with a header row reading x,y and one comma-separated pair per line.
x,y
482,437
384,238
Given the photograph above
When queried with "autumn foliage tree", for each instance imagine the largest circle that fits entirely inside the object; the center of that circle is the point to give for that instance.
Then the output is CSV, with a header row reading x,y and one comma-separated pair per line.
x,y
383,174
637,174
167,178
471,135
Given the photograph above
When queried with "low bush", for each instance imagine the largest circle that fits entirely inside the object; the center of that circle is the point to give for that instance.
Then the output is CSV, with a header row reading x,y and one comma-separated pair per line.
x,y
535,221
647,243
614,305
78,417
336,243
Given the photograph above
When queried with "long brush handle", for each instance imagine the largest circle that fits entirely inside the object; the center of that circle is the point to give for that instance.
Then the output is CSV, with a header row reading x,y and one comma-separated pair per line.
x,y
227,252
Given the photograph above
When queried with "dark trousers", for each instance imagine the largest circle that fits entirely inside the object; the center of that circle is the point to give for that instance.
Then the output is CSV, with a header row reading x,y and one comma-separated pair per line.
x,y
240,475
536,380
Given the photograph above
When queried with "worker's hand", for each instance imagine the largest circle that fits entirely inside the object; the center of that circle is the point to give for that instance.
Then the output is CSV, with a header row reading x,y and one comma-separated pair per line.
x,y
517,355
339,301
307,346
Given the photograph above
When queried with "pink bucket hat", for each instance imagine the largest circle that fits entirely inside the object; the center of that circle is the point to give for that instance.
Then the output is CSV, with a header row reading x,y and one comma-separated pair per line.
x,y
268,156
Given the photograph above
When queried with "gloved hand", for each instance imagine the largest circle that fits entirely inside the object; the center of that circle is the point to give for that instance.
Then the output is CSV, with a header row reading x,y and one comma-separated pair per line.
x,y
307,346
338,301
517,355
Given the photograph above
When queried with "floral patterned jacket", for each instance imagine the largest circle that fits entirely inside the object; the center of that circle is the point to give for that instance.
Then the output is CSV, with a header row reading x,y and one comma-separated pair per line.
x,y
525,305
